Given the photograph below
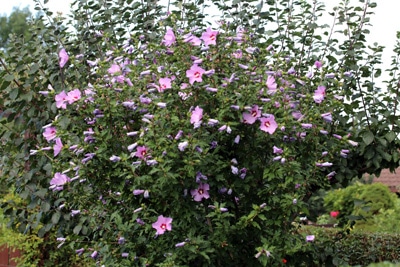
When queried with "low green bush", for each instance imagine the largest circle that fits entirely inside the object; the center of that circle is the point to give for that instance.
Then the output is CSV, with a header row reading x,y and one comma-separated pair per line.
x,y
360,203
337,247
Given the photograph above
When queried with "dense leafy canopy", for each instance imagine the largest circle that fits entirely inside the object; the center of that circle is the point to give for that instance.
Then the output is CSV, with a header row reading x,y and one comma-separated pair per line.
x,y
125,120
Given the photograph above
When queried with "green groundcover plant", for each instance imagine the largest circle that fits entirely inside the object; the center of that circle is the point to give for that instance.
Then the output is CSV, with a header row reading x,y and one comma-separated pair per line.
x,y
166,142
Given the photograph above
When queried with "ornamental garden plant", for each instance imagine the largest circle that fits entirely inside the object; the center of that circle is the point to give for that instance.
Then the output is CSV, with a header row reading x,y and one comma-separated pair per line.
x,y
182,148
185,145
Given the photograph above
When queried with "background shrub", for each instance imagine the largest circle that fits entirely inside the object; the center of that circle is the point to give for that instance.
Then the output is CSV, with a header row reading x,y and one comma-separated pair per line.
x,y
361,202
336,247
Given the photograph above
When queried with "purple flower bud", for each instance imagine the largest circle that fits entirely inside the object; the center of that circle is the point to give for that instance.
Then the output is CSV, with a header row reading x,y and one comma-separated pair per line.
x,y
181,244
306,125
132,147
237,139
310,238
79,251
330,75
331,174
277,158
132,133
75,212
245,67
348,74
125,255
223,190
243,172
222,128
234,170
178,135
146,194
121,240
212,122
94,254
211,89
214,144
337,136
137,192
162,105
327,117
235,107
209,72
352,143
114,158
324,164
277,150
223,209
291,71
183,145
137,210
151,162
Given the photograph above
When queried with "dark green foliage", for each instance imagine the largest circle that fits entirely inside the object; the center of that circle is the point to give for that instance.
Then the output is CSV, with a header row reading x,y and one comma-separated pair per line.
x,y
17,24
98,27
335,247
360,202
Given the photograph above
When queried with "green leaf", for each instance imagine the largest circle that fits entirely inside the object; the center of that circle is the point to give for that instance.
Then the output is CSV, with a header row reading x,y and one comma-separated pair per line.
x,y
56,217
77,229
390,136
14,94
45,206
368,137
9,77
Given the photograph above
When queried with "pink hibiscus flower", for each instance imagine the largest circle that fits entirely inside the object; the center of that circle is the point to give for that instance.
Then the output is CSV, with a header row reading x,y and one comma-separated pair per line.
x,y
169,38
197,115
201,192
73,96
251,117
195,74
319,94
165,83
141,152
114,69
268,124
61,100
57,147
162,224
271,84
59,179
50,133
209,37
63,58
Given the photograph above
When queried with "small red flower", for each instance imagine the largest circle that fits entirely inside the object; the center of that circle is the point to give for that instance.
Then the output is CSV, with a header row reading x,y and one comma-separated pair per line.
x,y
284,261
334,214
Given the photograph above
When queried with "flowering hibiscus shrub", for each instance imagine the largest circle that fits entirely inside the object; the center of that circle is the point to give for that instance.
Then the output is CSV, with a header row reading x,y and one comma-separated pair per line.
x,y
191,152
183,146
